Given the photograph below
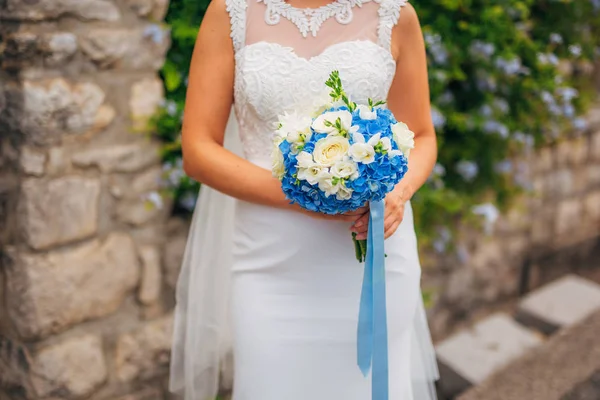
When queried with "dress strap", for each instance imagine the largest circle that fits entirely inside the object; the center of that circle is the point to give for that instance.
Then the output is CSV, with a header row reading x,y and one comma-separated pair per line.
x,y
237,16
389,14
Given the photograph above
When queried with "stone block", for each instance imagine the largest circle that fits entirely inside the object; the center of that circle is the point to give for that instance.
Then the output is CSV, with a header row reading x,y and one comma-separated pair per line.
x,y
559,304
134,49
470,356
146,96
25,49
59,47
58,161
559,183
593,175
144,353
56,107
74,367
568,216
543,160
49,292
58,211
138,212
155,9
151,283
595,144
591,207
32,161
572,152
119,158
37,10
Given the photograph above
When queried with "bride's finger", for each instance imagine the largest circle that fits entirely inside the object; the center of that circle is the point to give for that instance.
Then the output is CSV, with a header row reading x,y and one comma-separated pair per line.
x,y
361,223
392,229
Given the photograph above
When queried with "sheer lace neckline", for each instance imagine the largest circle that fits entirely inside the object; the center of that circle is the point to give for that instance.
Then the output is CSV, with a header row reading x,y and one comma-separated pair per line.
x,y
310,19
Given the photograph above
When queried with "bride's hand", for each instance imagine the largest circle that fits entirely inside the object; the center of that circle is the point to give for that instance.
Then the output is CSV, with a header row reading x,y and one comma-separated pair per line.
x,y
394,213
350,216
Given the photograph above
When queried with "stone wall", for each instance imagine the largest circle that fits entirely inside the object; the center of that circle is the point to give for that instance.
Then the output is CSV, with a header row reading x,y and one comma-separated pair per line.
x,y
82,307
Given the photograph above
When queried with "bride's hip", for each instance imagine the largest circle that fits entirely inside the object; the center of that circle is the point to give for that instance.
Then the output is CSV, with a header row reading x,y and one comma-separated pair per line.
x,y
266,237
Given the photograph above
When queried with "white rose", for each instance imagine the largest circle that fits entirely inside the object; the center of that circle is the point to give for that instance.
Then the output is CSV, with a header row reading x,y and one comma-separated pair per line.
x,y
362,153
326,185
345,169
343,193
313,174
277,166
404,138
320,124
365,112
331,149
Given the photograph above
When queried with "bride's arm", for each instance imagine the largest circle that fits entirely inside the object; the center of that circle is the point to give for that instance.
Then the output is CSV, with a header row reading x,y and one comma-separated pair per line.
x,y
409,99
208,104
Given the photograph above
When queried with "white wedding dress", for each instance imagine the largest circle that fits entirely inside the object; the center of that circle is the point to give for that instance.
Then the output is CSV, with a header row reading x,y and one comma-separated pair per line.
x,y
287,284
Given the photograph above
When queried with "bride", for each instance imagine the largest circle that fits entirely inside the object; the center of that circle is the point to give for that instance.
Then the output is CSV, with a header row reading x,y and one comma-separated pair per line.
x,y
278,284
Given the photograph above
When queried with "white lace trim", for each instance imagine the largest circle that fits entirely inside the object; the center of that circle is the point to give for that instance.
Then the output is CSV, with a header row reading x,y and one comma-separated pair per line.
x,y
389,15
237,16
310,19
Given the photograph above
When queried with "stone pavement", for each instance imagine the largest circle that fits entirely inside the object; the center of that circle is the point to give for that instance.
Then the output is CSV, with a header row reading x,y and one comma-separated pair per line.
x,y
553,371
506,358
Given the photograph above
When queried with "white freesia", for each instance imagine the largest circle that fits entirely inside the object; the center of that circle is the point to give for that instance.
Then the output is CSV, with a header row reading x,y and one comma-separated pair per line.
x,y
362,153
320,124
366,113
326,185
343,193
386,144
277,163
294,123
305,160
375,139
313,174
321,103
299,136
345,169
404,138
331,149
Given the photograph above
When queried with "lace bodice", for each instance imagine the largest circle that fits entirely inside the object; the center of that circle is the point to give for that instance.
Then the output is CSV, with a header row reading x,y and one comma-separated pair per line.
x,y
283,56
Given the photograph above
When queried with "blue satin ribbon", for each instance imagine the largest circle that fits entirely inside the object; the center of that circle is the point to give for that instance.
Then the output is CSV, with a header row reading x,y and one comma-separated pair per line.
x,y
372,342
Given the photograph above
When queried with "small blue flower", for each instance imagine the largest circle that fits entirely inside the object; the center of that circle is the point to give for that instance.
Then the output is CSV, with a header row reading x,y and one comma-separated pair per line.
x,y
503,167
575,50
482,49
188,201
155,32
509,66
556,38
496,127
467,169
568,94
490,214
438,118
580,124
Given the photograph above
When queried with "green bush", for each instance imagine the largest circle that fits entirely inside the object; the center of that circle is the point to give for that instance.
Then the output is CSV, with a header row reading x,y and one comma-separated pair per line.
x,y
497,91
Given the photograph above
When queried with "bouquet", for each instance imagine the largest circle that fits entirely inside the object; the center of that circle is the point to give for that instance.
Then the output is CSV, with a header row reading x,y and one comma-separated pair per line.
x,y
338,156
